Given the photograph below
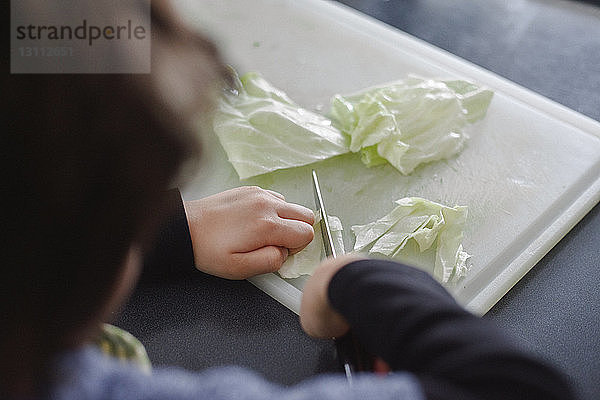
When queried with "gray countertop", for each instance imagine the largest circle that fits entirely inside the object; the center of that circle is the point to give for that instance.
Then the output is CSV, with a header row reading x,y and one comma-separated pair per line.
x,y
550,47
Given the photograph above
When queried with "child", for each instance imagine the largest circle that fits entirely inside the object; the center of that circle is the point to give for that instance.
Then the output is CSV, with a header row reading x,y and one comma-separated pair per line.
x,y
89,162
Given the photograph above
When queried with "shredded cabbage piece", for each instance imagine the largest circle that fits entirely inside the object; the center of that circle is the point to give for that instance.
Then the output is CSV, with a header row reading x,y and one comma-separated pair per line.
x,y
411,121
419,232
262,129
305,261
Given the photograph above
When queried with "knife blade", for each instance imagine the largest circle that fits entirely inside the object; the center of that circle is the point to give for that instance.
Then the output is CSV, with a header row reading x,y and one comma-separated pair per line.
x,y
324,223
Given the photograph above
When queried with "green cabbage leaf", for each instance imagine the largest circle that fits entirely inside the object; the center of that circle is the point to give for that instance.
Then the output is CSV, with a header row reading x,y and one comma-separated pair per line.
x,y
419,232
262,129
411,121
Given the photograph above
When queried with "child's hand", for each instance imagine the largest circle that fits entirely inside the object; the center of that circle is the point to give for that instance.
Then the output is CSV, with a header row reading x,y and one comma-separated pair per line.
x,y
246,231
317,317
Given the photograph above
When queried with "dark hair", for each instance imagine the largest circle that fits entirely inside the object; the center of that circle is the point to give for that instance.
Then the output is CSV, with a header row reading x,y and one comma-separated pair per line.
x,y
87,160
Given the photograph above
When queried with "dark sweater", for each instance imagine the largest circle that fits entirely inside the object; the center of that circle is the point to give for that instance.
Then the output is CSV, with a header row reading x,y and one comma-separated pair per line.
x,y
404,316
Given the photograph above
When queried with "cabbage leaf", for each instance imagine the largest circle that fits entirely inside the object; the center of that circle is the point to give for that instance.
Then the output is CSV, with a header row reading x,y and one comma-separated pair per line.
x,y
419,232
411,121
261,129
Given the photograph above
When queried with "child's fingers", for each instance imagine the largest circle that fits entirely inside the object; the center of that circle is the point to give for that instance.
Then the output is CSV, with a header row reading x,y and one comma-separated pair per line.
x,y
297,212
259,261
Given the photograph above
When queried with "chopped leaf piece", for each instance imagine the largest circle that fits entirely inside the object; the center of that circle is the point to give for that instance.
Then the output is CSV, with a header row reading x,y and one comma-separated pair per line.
x,y
411,121
422,233
262,129
305,261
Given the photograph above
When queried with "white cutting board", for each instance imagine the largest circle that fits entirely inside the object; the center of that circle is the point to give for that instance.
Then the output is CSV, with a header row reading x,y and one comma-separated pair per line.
x,y
529,173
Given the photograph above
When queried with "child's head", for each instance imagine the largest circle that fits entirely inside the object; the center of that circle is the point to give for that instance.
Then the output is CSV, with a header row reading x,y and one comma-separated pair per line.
x,y
87,160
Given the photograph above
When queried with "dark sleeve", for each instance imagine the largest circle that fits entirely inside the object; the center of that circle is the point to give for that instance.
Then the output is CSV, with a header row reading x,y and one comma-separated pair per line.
x,y
171,253
404,316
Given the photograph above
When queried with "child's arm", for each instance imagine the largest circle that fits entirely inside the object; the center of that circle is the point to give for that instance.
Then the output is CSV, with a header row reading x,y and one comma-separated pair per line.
x,y
404,316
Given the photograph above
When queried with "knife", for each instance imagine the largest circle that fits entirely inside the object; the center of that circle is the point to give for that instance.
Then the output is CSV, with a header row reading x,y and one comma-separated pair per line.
x,y
350,353
325,229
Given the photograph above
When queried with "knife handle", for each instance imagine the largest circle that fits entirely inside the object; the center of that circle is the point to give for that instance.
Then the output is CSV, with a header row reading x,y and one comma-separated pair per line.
x,y
352,356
